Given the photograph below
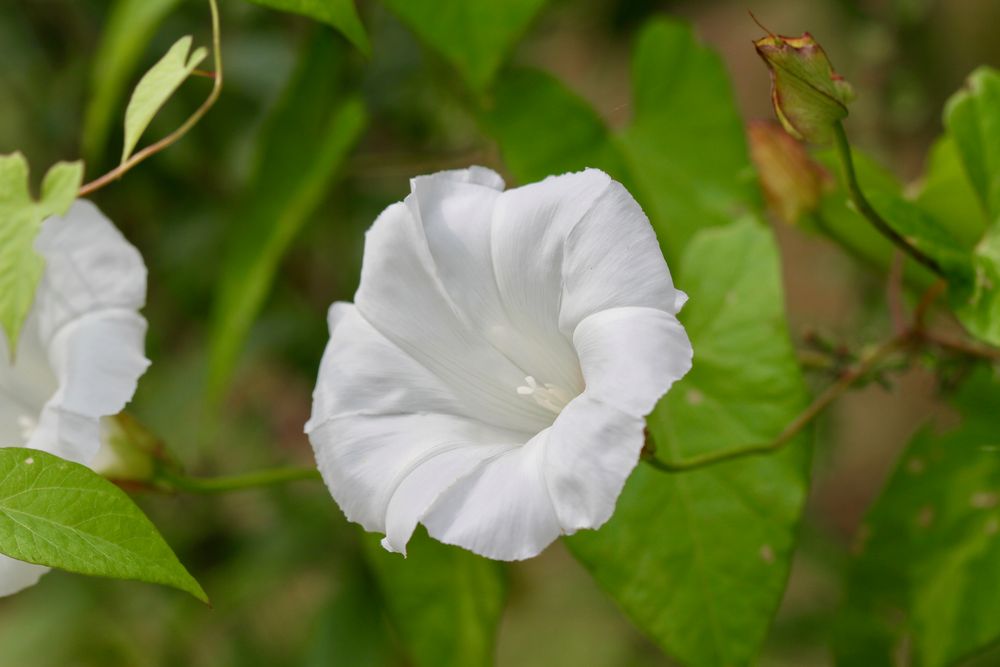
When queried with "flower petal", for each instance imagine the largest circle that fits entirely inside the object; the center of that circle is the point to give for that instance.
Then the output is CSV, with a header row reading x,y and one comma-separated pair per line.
x,y
402,296
84,330
631,356
501,510
613,259
98,359
366,461
363,372
89,266
25,386
589,453
16,575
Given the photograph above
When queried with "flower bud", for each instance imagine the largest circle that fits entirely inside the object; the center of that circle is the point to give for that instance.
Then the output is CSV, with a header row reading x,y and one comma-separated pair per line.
x,y
791,180
808,96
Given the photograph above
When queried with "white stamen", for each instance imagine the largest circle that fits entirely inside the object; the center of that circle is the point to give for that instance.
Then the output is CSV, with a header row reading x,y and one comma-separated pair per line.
x,y
27,425
549,396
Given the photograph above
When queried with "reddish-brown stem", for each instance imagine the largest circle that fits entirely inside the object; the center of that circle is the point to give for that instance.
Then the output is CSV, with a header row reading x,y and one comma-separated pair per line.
x,y
153,149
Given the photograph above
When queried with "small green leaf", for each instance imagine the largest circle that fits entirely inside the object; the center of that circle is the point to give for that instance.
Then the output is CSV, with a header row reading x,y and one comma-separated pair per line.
x,y
340,14
62,514
20,221
927,569
311,131
129,28
445,602
156,87
474,35
972,117
699,559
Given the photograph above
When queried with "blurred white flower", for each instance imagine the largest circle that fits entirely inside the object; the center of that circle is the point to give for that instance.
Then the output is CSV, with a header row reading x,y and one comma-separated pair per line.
x,y
80,354
492,378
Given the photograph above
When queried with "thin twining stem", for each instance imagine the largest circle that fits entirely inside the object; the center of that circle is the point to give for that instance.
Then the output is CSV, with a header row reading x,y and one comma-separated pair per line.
x,y
866,209
252,480
174,136
829,395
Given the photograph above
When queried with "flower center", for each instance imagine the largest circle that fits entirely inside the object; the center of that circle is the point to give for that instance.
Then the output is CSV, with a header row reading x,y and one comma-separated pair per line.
x,y
549,396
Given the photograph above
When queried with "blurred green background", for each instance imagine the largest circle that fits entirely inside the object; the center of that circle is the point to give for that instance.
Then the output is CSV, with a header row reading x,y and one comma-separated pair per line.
x,y
282,566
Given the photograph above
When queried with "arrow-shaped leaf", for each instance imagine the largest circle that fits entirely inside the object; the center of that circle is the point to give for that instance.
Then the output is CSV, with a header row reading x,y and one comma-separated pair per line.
x,y
61,514
156,87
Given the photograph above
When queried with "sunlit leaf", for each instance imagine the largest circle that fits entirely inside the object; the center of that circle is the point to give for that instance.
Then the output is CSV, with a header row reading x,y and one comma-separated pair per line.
x,y
20,221
156,87
340,14
924,580
699,559
126,33
308,136
62,514
474,35
445,602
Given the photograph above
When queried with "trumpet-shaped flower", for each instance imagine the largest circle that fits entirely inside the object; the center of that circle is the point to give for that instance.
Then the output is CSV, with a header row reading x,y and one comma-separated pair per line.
x,y
80,354
492,378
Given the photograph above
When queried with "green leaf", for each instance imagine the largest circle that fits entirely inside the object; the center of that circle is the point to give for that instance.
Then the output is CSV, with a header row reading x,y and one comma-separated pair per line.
x,y
129,28
927,571
684,155
686,145
308,136
972,117
838,219
977,303
924,233
700,559
62,514
946,194
340,14
445,602
20,221
351,630
474,35
156,87
526,106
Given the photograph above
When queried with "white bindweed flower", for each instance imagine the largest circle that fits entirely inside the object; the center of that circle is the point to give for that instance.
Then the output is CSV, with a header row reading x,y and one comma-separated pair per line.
x,y
80,353
492,378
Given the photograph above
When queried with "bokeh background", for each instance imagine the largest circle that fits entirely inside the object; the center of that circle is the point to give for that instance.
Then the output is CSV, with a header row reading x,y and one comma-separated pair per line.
x,y
279,563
